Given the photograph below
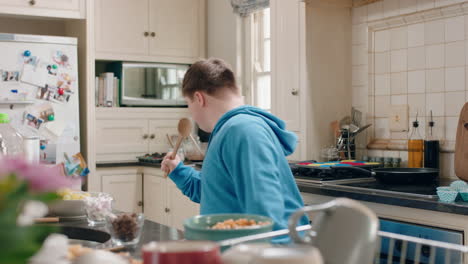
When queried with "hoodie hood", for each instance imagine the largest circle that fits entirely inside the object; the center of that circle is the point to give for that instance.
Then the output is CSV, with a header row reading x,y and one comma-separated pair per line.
x,y
287,139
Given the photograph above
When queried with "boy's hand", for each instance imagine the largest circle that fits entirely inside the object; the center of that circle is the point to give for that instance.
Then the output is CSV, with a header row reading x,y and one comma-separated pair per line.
x,y
168,165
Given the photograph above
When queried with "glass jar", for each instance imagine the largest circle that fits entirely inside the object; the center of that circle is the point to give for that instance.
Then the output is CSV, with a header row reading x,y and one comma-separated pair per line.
x,y
125,228
98,206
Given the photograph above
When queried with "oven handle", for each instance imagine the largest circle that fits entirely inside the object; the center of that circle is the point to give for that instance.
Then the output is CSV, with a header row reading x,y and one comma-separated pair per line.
x,y
355,169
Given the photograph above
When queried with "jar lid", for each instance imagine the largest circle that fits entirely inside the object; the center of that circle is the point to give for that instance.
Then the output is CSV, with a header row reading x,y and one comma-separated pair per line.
x,y
4,118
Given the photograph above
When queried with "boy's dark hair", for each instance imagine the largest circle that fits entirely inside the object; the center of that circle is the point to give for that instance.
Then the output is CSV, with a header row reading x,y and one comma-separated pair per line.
x,y
210,76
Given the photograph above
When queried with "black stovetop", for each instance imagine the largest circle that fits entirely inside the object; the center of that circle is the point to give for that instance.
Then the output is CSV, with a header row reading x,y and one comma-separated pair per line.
x,y
429,189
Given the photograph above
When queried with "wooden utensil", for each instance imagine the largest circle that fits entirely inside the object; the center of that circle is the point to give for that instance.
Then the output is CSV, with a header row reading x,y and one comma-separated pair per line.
x,y
196,145
461,145
47,220
170,141
185,128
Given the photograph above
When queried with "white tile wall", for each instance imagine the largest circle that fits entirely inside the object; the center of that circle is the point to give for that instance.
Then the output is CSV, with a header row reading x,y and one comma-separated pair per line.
x,y
454,102
416,58
399,83
436,103
455,28
422,64
416,82
455,54
415,35
435,80
435,56
399,38
455,79
434,32
398,60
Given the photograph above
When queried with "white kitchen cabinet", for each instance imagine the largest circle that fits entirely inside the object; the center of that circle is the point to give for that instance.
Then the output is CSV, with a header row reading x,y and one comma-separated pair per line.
x,y
288,67
150,30
125,186
121,139
122,134
158,129
121,26
155,198
180,206
164,203
144,189
44,8
175,25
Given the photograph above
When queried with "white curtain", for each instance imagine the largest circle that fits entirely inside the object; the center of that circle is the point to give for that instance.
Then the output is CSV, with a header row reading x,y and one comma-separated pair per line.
x,y
246,7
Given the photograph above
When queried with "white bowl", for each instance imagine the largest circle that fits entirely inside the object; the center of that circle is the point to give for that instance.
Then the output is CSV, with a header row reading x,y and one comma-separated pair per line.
x,y
67,208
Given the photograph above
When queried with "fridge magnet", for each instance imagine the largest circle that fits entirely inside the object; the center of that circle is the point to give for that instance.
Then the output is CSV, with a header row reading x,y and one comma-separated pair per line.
x,y
36,76
65,81
33,121
45,112
31,60
61,58
10,76
62,96
51,70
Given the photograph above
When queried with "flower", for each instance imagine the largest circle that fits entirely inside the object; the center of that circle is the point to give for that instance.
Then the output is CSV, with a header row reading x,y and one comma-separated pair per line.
x,y
31,211
40,178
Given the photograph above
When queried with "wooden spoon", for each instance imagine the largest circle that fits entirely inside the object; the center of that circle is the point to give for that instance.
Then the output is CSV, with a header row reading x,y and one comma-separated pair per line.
x,y
184,127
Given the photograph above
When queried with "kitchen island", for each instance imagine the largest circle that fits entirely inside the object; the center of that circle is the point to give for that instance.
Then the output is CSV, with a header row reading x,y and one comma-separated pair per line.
x,y
152,231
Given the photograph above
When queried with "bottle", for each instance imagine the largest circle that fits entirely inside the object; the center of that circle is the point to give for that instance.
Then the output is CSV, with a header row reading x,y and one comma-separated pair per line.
x,y
431,148
415,147
11,142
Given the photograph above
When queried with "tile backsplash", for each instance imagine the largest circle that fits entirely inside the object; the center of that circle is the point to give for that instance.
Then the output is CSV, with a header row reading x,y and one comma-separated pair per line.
x,y
415,53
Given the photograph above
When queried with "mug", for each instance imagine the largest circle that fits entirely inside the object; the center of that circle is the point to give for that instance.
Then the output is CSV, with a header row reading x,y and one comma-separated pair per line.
x,y
289,255
181,252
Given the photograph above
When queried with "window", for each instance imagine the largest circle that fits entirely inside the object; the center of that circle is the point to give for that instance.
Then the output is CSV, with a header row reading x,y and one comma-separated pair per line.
x,y
260,43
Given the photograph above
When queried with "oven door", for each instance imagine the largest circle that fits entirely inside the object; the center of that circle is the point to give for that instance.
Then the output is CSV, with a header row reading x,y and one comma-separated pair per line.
x,y
152,84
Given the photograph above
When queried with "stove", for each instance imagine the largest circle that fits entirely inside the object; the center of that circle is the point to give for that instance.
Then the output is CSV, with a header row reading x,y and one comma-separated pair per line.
x,y
427,192
347,180
330,175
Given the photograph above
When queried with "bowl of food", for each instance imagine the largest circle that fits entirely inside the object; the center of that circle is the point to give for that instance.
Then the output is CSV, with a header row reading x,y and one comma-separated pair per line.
x,y
217,227
71,204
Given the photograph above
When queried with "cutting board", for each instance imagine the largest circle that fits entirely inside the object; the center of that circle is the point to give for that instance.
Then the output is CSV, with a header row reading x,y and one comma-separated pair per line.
x,y
461,145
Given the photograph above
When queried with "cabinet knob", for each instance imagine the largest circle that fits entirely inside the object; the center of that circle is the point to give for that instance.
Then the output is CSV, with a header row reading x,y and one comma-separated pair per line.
x,y
140,203
167,210
152,136
146,34
153,34
294,91
32,2
145,136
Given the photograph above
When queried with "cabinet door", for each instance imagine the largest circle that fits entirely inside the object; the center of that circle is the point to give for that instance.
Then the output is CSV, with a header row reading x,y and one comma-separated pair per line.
x,y
121,26
287,69
122,139
58,4
155,194
180,206
158,129
176,25
125,188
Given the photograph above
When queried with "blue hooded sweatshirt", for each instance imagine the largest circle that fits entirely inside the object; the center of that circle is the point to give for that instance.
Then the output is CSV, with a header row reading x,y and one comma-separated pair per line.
x,y
245,168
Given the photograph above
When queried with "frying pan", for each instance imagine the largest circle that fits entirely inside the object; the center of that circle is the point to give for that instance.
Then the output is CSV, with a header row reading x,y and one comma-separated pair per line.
x,y
400,176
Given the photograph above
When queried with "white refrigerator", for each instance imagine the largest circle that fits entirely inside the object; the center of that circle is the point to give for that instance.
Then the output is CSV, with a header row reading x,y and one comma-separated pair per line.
x,y
39,90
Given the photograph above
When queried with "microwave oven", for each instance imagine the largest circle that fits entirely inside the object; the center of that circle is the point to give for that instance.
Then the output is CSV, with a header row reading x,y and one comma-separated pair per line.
x,y
151,84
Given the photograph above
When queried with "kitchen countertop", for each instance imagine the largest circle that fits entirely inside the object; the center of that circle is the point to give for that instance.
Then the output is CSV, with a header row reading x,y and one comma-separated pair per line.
x,y
370,196
152,231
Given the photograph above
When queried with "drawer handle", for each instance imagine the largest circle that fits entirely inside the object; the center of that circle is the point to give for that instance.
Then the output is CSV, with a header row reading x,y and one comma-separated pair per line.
x,y
32,2
145,136
146,34
294,91
152,136
167,210
140,203
153,34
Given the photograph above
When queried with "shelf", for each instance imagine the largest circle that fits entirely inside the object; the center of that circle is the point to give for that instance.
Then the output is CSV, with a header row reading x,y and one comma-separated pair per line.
x,y
11,103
